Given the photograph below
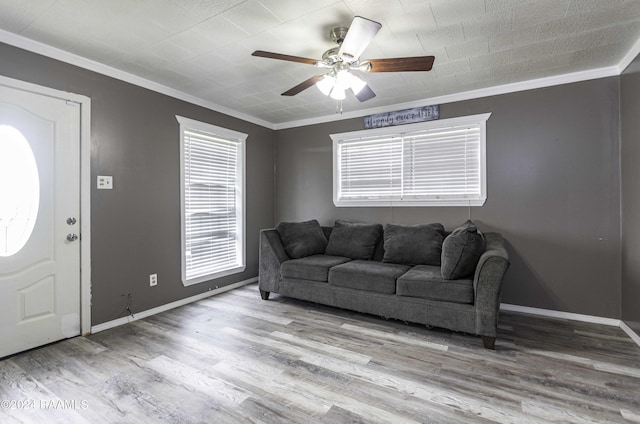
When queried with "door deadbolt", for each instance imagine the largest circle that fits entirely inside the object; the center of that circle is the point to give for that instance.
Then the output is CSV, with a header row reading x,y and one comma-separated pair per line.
x,y
71,220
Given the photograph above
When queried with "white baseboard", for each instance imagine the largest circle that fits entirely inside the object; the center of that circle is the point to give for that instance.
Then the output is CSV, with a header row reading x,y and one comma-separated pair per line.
x,y
558,314
168,306
575,317
634,336
503,306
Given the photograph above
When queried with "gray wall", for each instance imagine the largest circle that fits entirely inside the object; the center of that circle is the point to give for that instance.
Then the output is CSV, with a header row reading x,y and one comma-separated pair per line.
x,y
136,226
630,111
553,191
553,188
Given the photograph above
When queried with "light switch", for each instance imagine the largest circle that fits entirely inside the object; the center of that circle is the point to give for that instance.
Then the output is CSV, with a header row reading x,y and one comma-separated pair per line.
x,y
105,182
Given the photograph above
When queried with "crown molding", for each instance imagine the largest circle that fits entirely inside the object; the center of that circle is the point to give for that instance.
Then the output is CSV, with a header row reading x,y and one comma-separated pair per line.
x,y
73,59
629,57
91,65
467,95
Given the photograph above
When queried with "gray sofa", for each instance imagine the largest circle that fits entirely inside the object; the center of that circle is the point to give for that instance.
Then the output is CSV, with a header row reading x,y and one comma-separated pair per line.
x,y
416,294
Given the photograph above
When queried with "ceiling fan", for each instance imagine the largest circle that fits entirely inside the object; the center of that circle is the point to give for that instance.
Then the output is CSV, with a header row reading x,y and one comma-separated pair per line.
x,y
341,60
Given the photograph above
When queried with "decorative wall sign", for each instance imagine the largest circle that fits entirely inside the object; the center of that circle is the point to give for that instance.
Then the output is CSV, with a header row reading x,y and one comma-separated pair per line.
x,y
399,117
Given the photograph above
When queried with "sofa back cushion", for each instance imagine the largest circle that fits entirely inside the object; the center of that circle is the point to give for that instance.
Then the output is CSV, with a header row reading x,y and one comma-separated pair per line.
x,y
419,244
461,251
301,239
353,239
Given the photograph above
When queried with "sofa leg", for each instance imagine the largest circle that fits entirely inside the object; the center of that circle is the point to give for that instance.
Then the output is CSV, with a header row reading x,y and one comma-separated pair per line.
x,y
489,342
264,294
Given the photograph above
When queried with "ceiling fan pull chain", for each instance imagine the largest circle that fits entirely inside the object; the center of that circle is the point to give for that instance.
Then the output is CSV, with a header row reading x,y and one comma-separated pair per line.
x,y
339,106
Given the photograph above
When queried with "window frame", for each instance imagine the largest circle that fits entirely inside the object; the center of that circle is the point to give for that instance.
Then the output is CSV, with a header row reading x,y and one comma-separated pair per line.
x,y
187,124
403,131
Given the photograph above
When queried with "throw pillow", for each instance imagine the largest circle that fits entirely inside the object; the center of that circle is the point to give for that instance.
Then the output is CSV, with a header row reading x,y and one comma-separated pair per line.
x,y
302,239
419,244
461,251
353,240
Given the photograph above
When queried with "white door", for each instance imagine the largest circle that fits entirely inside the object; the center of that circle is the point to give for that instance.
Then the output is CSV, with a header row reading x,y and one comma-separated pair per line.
x,y
39,220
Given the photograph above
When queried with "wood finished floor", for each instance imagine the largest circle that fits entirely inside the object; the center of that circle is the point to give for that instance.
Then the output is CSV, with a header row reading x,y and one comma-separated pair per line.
x,y
235,358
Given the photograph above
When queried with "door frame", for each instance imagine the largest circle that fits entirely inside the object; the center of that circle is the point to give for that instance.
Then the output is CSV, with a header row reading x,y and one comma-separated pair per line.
x,y
84,103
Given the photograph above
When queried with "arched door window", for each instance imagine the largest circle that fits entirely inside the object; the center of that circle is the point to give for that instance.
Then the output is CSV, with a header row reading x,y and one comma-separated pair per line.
x,y
19,191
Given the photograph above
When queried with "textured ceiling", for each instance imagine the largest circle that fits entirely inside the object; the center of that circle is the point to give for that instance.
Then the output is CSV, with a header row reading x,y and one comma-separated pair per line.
x,y
203,47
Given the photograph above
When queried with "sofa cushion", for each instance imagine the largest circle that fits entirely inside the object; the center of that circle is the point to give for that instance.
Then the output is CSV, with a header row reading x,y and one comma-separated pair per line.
x,y
413,244
315,267
367,275
425,281
302,239
461,251
353,240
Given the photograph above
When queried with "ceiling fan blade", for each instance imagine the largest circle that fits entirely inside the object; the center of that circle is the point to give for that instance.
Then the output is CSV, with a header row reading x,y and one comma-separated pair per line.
x,y
289,58
365,94
360,34
303,85
402,64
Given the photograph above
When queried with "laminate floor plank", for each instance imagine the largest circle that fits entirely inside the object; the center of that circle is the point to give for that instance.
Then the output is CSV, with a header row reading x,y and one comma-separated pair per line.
x,y
235,358
347,354
404,386
234,310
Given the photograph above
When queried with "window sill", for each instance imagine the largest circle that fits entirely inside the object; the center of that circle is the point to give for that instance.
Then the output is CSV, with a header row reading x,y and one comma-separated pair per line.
x,y
213,276
406,203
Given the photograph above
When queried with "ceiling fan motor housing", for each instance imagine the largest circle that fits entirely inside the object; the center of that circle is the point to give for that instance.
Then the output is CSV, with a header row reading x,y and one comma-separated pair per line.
x,y
331,57
338,33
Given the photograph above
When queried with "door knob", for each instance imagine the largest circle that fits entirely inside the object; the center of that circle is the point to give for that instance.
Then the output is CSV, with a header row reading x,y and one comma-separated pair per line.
x,y
72,237
71,220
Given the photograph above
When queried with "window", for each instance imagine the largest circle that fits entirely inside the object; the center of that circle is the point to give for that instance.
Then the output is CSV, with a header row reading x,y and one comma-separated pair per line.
x,y
19,191
436,163
212,187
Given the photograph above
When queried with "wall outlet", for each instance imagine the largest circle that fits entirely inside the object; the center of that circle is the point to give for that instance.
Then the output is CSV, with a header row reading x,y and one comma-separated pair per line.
x,y
105,182
153,280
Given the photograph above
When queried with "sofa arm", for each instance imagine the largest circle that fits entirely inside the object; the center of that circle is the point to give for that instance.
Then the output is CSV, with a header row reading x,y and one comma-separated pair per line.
x,y
271,256
487,284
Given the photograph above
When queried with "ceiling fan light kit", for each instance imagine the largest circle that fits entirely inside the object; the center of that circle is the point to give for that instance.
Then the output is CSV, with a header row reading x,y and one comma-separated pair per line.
x,y
337,94
345,58
325,84
334,84
355,83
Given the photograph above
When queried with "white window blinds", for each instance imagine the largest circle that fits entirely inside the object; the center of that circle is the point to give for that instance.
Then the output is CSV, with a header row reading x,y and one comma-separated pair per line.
x,y
371,168
434,163
213,201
